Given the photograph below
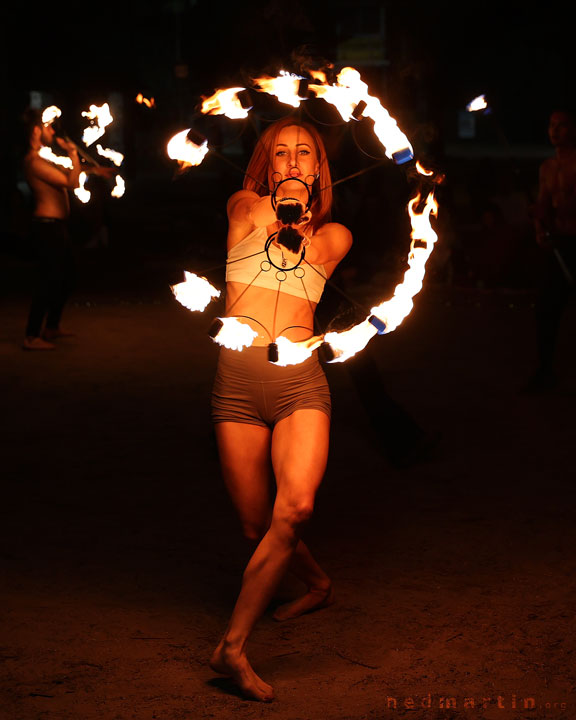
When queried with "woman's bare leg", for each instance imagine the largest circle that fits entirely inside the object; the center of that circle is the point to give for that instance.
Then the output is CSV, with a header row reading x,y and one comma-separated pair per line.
x,y
246,467
299,454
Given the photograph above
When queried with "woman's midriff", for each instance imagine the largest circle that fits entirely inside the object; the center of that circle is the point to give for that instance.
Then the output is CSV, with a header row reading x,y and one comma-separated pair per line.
x,y
270,313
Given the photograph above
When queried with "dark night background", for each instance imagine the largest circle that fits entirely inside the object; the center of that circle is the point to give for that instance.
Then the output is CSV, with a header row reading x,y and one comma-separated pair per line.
x,y
447,516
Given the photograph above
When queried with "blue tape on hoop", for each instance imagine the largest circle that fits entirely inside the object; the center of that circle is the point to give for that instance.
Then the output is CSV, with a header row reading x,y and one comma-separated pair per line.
x,y
403,156
380,325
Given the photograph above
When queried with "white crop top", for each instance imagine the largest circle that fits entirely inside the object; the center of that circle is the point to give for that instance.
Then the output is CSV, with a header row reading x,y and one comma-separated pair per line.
x,y
248,263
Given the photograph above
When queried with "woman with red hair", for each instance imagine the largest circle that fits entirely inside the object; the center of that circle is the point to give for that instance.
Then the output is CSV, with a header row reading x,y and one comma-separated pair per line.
x,y
268,417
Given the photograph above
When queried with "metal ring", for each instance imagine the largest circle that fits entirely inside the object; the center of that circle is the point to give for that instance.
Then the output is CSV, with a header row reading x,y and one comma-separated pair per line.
x,y
274,201
267,251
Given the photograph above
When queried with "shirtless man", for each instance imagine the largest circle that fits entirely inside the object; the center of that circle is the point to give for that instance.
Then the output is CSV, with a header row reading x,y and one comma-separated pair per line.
x,y
555,225
50,240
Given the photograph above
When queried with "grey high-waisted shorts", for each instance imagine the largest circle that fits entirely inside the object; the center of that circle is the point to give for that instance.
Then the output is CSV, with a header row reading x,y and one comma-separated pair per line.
x,y
249,389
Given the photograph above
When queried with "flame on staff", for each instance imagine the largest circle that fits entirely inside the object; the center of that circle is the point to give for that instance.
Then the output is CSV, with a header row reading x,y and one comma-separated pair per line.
x,y
234,334
346,95
100,118
284,87
195,292
318,75
423,236
293,353
347,343
225,102
62,160
50,114
422,171
186,152
81,192
149,103
113,155
393,311
479,103
119,188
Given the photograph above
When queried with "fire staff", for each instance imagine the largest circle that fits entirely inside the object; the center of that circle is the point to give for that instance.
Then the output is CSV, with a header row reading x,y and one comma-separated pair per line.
x,y
266,415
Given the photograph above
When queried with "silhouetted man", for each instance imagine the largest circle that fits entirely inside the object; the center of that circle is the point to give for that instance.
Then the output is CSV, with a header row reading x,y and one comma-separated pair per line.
x,y
555,224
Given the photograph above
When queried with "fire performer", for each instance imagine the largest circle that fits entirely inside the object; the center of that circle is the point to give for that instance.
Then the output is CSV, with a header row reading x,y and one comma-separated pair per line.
x,y
555,223
267,416
49,235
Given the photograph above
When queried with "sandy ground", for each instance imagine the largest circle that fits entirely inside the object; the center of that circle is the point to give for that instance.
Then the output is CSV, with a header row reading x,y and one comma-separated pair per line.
x,y
121,556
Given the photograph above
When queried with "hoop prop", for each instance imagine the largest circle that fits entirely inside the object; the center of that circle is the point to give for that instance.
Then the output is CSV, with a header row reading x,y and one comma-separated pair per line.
x,y
349,95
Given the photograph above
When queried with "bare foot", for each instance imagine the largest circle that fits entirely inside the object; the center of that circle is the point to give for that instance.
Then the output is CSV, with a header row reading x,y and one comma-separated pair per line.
x,y
314,599
236,666
36,343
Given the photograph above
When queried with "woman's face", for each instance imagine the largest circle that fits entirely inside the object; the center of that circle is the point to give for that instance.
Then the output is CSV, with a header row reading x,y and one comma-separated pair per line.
x,y
294,155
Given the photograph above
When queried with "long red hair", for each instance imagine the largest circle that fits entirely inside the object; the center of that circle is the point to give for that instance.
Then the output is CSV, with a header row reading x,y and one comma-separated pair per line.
x,y
257,172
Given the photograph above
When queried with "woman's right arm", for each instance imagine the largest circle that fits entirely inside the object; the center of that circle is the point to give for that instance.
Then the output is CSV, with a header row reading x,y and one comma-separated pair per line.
x,y
247,208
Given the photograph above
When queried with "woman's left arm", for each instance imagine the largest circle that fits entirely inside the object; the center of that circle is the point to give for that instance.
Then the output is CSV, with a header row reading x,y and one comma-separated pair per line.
x,y
329,245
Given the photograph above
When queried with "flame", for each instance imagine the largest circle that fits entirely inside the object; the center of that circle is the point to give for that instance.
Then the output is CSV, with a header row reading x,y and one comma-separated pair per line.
x,y
284,87
50,114
423,171
149,103
116,157
195,292
347,92
100,118
393,311
62,160
225,102
119,188
186,152
234,334
293,353
81,193
318,75
348,342
479,103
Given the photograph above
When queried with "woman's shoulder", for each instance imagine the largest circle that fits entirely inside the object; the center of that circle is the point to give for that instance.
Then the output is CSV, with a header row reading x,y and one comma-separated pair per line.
x,y
335,233
238,200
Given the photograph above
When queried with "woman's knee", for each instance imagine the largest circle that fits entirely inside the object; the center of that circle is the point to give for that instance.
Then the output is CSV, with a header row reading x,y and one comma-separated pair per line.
x,y
294,515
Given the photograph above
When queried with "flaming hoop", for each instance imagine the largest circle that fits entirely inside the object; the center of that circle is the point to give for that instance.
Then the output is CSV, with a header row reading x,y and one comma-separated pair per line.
x,y
349,95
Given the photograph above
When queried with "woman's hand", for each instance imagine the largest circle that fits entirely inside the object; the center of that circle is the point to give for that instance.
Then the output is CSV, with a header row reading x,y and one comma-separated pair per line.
x,y
289,211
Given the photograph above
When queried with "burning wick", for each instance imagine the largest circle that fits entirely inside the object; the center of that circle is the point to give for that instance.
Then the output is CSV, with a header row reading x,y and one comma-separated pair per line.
x,y
113,155
149,103
186,152
50,114
233,334
81,192
100,118
195,292
479,103
62,160
226,102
